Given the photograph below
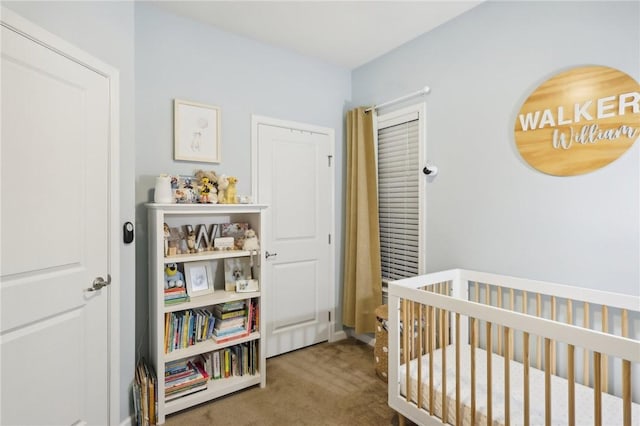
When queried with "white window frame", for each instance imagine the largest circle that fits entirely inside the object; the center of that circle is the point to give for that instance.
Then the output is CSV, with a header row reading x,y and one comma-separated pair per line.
x,y
382,120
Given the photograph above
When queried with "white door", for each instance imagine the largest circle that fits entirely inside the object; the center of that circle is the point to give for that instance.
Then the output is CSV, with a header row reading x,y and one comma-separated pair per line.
x,y
294,181
55,236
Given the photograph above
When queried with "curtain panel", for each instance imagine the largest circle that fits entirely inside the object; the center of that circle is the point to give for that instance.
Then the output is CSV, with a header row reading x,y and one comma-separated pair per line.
x,y
362,276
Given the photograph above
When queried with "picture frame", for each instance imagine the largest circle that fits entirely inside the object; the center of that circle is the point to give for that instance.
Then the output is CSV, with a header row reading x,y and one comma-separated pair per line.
x,y
196,132
236,268
198,278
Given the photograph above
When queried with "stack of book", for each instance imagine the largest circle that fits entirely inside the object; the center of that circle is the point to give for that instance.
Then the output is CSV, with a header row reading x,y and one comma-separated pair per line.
x,y
183,377
232,319
145,395
175,295
186,328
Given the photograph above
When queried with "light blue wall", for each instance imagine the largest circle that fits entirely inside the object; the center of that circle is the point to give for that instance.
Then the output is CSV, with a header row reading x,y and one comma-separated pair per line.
x,y
489,210
105,31
181,58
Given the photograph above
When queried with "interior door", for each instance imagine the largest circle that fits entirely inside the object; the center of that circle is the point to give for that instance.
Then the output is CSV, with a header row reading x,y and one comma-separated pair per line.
x,y
55,212
293,180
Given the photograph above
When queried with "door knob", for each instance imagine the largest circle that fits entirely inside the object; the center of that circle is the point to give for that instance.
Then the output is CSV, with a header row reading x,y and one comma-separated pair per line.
x,y
268,255
99,282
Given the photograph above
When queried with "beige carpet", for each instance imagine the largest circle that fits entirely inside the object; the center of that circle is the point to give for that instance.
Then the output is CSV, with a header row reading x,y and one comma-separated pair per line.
x,y
325,384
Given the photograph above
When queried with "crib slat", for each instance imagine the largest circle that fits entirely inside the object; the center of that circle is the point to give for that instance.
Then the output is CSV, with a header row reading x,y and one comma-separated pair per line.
x,y
571,374
626,375
571,388
476,287
525,369
443,351
539,339
419,354
553,342
507,380
487,295
500,328
458,414
547,381
489,377
605,368
626,392
524,301
585,359
405,348
512,304
474,342
446,329
597,389
431,348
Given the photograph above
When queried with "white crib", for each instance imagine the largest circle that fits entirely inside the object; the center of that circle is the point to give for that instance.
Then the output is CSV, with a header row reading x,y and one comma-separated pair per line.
x,y
460,341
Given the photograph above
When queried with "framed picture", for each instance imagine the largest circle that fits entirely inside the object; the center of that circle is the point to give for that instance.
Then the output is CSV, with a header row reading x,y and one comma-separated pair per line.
x,y
236,268
196,132
198,277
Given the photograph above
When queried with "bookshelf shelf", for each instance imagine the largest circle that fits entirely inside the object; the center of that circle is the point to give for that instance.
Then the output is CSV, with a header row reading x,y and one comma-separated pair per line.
x,y
179,216
215,389
207,346
207,255
210,299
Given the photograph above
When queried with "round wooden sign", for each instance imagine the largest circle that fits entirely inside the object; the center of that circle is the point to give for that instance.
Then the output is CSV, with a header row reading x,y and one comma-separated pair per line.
x,y
579,121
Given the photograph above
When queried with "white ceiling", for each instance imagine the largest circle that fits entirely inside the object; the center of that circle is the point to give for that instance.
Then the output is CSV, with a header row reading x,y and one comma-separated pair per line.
x,y
344,33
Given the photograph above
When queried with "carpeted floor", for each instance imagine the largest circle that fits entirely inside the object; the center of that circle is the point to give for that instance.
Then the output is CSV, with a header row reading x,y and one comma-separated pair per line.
x,y
325,384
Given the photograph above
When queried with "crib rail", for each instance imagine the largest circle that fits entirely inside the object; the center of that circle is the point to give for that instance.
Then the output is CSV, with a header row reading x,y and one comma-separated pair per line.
x,y
491,312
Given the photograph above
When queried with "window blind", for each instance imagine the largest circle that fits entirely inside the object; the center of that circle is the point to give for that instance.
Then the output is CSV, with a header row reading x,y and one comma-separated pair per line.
x,y
398,173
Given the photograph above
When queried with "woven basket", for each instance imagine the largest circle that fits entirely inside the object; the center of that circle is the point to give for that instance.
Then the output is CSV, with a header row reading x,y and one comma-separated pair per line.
x,y
381,349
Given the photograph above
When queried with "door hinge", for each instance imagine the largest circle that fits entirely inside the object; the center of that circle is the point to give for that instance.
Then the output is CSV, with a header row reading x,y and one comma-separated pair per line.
x,y
329,316
329,238
329,157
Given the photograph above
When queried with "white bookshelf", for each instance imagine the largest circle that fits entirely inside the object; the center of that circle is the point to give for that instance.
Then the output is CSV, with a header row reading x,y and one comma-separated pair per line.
x,y
179,215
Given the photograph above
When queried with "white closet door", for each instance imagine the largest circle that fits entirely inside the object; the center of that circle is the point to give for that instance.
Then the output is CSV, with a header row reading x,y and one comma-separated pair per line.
x,y
293,175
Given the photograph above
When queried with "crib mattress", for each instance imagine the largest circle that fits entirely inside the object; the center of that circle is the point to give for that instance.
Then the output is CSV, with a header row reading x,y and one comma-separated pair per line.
x,y
611,405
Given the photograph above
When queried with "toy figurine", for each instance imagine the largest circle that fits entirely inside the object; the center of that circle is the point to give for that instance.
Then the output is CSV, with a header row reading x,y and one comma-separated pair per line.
x,y
173,277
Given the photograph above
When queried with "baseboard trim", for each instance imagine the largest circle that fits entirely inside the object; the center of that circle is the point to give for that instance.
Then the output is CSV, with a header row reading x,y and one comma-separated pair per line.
x,y
338,335
369,339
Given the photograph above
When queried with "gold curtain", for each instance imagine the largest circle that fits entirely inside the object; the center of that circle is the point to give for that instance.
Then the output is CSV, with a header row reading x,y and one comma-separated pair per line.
x,y
362,275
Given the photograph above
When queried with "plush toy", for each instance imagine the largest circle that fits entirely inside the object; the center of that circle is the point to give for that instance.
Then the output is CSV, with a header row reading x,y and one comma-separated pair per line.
x,y
231,190
191,241
212,176
207,186
250,240
207,191
173,277
223,184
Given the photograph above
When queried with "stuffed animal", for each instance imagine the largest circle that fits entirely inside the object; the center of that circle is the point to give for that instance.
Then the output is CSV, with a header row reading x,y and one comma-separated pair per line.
x,y
250,240
208,192
173,277
223,184
231,190
191,241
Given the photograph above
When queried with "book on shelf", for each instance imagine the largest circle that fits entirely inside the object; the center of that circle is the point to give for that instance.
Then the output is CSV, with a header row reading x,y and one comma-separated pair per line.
x,y
223,308
187,328
175,295
230,314
228,323
180,384
237,360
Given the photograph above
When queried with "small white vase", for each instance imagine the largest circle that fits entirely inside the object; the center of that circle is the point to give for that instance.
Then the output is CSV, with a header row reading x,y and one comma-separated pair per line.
x,y
162,194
